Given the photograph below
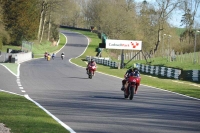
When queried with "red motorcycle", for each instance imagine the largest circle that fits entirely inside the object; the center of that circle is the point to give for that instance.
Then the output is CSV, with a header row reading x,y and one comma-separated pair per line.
x,y
91,70
130,86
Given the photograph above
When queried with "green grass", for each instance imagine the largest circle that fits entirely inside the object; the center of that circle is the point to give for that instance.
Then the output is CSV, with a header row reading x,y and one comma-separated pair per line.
x,y
161,61
179,31
12,66
23,116
39,49
4,49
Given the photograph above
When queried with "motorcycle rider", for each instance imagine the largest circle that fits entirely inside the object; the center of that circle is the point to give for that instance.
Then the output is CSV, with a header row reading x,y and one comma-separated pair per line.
x,y
91,63
53,55
62,55
133,71
45,54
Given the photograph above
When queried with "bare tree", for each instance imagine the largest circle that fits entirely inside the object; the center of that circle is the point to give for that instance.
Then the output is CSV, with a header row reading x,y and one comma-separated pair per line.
x,y
188,18
49,13
165,8
43,10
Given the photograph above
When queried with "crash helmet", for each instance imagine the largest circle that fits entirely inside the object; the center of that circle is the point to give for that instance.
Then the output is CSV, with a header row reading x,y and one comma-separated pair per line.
x,y
134,67
92,60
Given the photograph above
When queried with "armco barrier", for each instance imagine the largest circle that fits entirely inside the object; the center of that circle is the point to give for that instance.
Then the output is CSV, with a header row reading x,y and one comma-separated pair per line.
x,y
104,61
192,75
195,75
160,71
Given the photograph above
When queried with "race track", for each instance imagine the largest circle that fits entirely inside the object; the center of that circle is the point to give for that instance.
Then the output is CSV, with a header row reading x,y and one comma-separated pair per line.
x,y
97,105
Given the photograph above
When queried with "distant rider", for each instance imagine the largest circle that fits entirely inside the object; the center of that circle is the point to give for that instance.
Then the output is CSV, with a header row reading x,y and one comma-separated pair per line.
x,y
53,55
62,55
45,55
91,63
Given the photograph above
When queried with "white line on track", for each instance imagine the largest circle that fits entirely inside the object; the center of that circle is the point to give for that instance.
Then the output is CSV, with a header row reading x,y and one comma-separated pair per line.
x,y
55,118
11,92
8,69
27,97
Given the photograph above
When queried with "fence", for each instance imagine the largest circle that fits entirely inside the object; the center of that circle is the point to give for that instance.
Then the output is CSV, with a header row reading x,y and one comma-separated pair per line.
x,y
173,56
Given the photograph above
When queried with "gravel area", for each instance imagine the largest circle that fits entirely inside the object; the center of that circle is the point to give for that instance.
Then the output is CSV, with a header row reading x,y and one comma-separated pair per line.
x,y
4,129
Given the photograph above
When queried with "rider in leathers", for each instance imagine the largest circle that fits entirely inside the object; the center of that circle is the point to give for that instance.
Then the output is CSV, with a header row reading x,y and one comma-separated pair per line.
x,y
91,63
131,72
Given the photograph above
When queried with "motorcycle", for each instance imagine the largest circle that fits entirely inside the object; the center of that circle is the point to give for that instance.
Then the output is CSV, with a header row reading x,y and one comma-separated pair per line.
x,y
91,70
62,56
130,86
48,57
53,56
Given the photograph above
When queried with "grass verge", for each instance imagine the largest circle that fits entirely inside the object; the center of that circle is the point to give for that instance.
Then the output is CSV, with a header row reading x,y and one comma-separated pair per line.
x,y
23,116
12,66
40,49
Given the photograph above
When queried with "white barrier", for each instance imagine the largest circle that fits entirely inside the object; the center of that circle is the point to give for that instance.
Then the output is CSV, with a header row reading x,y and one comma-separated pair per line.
x,y
104,61
195,75
162,71
19,57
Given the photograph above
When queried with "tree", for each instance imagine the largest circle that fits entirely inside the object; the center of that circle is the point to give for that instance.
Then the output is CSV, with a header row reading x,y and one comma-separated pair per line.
x,y
20,19
165,8
147,23
4,37
188,19
48,15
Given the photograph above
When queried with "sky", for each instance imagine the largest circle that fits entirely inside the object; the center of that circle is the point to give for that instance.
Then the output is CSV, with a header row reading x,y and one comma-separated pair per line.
x,y
176,15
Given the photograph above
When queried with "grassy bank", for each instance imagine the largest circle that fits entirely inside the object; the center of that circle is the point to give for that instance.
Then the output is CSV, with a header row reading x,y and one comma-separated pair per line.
x,y
40,49
23,116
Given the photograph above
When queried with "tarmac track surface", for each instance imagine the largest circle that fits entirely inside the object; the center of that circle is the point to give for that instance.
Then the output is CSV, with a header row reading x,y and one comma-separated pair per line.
x,y
97,105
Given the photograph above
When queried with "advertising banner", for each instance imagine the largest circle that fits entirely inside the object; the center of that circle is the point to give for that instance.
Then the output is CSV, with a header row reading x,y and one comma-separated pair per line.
x,y
123,44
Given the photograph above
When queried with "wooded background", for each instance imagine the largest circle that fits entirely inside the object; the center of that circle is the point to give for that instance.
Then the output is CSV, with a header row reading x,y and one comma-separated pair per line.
x,y
39,20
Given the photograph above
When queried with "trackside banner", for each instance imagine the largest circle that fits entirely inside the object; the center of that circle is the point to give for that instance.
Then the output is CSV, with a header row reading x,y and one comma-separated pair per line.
x,y
123,44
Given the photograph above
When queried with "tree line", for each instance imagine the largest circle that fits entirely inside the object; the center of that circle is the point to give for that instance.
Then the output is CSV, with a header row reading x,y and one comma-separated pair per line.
x,y
118,19
32,20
